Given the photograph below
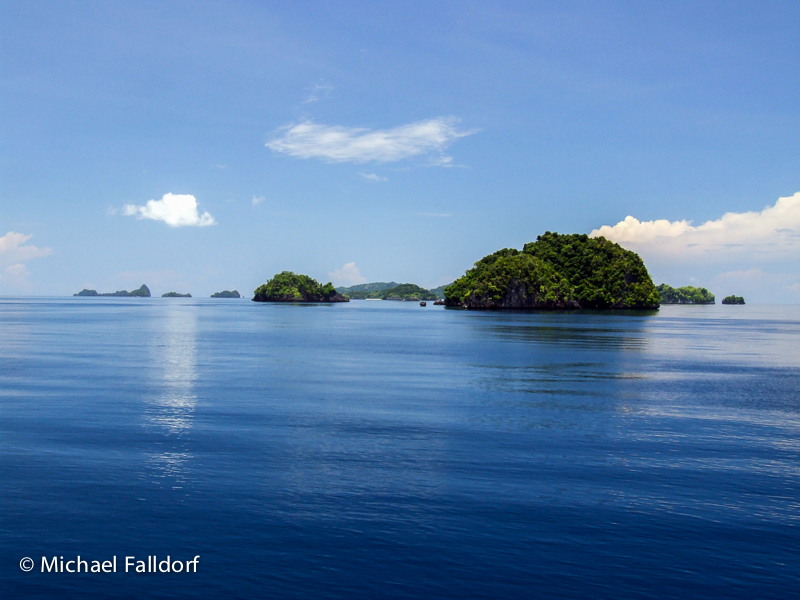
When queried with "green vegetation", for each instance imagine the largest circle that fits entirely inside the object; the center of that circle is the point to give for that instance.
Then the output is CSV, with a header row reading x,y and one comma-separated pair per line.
x,y
407,291
439,291
291,287
557,271
226,294
85,292
402,291
733,300
175,295
684,295
377,286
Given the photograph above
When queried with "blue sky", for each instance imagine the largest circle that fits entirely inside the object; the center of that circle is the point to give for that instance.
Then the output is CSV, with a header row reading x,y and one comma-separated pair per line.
x,y
200,146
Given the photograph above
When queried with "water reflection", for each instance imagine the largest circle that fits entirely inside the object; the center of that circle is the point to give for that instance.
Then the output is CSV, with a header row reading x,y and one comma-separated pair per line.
x,y
170,411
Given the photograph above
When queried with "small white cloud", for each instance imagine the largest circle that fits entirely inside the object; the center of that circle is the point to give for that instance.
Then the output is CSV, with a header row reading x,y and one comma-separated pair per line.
x,y
772,232
257,200
347,275
14,250
373,177
176,210
15,276
334,143
318,92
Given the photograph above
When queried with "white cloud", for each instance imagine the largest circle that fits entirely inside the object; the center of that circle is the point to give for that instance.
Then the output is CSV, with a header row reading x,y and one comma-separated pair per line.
x,y
347,275
257,200
15,276
176,210
319,91
773,232
334,143
13,250
373,177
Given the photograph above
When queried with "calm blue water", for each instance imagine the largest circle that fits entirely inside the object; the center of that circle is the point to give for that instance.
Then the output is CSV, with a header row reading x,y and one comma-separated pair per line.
x,y
384,450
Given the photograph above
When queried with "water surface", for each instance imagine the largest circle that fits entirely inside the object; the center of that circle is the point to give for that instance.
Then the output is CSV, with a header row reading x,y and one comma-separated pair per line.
x,y
384,450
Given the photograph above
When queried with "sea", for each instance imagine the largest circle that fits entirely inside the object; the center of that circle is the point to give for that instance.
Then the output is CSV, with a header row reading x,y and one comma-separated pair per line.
x,y
379,450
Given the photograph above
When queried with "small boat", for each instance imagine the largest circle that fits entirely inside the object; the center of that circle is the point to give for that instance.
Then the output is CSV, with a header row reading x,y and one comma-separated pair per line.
x,y
423,304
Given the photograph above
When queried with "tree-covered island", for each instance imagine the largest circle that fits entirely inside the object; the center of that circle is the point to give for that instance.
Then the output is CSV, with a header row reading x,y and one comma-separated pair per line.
x,y
402,291
733,300
175,295
684,295
557,272
226,294
291,287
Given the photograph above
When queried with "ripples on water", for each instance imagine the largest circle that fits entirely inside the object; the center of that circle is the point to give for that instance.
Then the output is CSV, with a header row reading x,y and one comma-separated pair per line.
x,y
383,450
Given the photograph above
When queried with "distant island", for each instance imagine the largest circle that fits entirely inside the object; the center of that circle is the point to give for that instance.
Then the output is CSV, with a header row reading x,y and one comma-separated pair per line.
x,y
685,295
291,287
142,292
377,286
733,300
226,294
401,291
175,295
557,272
439,291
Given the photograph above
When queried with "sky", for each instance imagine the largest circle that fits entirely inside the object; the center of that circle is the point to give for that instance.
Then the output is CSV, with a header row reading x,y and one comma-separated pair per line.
x,y
201,146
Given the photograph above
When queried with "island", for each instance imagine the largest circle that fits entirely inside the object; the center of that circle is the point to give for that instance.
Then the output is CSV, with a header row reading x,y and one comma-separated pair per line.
x,y
142,292
557,272
362,290
292,287
175,295
439,291
684,295
388,291
733,300
226,294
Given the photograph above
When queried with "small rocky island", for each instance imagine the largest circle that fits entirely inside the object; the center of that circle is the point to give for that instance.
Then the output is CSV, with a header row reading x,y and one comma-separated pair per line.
x,y
226,294
142,292
291,287
557,272
175,295
733,300
684,295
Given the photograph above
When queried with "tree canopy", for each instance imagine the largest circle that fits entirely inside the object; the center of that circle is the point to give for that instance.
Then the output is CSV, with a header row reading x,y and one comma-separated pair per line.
x,y
291,287
557,271
684,295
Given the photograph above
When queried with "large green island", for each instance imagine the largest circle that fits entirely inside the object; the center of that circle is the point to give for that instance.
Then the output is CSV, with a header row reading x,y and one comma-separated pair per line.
x,y
557,272
291,287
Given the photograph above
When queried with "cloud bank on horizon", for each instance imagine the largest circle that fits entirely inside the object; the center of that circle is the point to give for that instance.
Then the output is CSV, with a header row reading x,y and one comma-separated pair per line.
x,y
750,253
14,253
348,275
176,210
774,232
335,144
